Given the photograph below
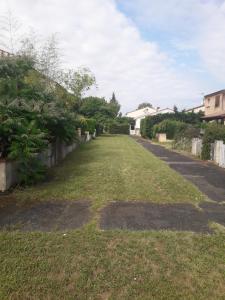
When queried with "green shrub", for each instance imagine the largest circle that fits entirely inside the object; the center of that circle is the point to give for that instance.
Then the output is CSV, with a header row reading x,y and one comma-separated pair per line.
x,y
90,125
213,132
148,123
147,127
118,128
183,138
86,125
99,128
170,127
25,145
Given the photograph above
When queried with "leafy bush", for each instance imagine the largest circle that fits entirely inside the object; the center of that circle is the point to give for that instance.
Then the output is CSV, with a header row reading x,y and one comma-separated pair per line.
x,y
118,128
148,123
183,138
25,145
86,125
91,125
31,115
147,127
213,132
170,127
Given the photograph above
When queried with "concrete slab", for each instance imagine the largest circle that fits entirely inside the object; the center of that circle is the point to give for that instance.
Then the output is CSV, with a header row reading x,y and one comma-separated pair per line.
x,y
150,216
45,216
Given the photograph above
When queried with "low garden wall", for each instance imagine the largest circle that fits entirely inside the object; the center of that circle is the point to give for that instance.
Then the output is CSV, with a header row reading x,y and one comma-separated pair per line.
x,y
217,153
55,153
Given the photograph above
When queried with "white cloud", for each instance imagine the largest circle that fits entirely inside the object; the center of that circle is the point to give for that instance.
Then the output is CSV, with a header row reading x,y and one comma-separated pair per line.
x,y
95,34
196,26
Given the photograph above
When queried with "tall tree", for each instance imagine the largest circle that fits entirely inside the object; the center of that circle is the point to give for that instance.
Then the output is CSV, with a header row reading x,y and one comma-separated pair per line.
x,y
175,109
114,104
144,104
9,32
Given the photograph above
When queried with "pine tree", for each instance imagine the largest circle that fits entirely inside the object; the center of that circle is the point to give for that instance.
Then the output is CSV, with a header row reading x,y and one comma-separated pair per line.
x,y
114,104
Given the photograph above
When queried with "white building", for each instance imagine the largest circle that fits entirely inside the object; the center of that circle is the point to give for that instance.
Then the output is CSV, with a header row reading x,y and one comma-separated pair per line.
x,y
197,109
140,114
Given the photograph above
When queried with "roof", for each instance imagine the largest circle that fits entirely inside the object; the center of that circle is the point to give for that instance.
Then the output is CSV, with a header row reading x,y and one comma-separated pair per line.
x,y
136,110
165,109
214,116
157,112
215,93
189,109
140,112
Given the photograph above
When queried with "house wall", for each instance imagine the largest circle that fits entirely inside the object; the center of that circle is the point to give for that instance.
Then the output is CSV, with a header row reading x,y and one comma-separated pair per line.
x,y
138,122
140,112
210,107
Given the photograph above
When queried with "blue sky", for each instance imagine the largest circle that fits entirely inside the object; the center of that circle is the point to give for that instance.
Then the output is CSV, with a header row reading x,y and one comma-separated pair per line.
x,y
165,52
177,26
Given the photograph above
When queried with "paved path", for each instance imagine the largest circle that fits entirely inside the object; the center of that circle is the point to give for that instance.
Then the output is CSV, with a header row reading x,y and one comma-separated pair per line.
x,y
45,216
152,216
209,178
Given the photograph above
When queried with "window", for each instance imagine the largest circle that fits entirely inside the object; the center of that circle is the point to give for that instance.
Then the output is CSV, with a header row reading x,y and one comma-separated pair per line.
x,y
217,101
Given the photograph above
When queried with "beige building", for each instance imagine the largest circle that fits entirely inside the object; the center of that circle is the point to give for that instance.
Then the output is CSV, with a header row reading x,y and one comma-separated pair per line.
x,y
215,107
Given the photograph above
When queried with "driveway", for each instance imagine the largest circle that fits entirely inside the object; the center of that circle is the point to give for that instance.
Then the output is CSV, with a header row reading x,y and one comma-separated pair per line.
x,y
209,178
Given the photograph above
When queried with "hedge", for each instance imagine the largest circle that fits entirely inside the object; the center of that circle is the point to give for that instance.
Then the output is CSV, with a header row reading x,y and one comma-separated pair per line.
x,y
117,128
170,127
213,132
148,123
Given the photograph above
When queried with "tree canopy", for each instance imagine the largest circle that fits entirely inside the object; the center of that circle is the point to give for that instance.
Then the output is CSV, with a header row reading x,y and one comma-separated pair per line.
x,y
144,104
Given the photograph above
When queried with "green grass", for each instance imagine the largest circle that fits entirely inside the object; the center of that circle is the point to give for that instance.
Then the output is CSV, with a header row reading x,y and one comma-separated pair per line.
x,y
87,264
114,168
93,264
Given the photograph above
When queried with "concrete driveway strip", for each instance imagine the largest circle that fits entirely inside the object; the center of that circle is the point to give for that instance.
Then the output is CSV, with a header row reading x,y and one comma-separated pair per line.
x,y
209,178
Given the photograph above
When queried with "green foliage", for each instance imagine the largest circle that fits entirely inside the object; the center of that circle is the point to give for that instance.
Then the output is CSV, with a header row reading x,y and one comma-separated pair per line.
x,y
170,127
86,124
144,104
12,73
101,111
31,115
26,142
147,127
213,132
91,124
148,123
183,138
114,105
118,128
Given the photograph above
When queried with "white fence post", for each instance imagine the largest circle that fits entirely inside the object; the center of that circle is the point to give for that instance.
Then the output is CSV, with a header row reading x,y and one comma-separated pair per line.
x,y
196,147
219,153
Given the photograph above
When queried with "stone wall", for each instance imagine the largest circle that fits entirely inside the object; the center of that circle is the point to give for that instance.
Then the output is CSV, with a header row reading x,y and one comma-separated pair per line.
x,y
55,153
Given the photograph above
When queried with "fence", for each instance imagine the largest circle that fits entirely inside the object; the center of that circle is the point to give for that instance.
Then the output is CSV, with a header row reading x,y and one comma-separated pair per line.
x,y
196,148
217,153
55,153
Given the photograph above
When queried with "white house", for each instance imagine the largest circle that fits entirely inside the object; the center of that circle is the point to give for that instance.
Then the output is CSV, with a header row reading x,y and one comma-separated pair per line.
x,y
196,109
140,114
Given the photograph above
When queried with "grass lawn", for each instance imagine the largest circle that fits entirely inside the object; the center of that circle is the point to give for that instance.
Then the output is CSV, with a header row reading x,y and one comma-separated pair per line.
x,y
114,168
93,264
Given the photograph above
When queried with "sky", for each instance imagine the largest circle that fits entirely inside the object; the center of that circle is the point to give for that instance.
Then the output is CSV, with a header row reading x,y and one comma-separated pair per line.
x,y
163,52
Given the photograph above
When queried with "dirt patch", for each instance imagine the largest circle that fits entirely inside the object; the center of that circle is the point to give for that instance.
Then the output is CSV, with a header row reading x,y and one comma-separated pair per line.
x,y
45,216
150,216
